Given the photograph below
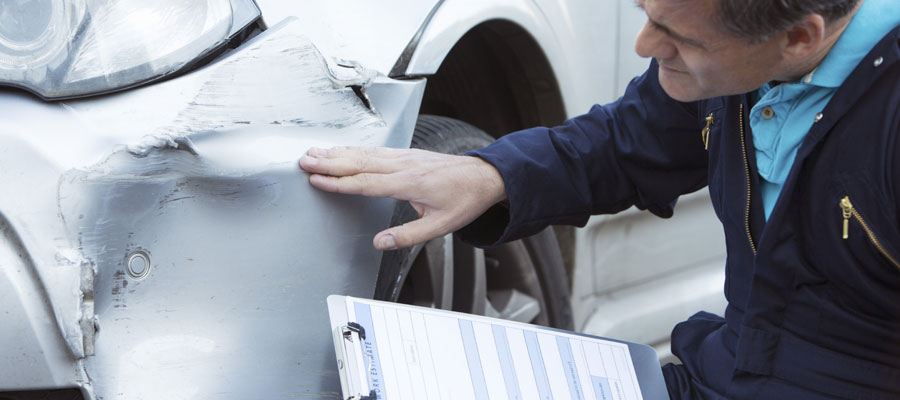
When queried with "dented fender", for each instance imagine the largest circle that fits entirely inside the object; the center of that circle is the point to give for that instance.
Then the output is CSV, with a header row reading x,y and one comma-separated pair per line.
x,y
163,243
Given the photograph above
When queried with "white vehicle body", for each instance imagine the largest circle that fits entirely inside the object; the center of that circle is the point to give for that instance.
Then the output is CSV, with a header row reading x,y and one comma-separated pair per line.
x,y
122,273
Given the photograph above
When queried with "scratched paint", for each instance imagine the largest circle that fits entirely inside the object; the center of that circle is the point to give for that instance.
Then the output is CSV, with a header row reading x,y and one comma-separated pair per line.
x,y
236,88
199,173
242,250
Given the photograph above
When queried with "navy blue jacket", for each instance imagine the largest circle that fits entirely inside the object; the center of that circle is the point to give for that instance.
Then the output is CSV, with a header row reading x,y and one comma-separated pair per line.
x,y
810,314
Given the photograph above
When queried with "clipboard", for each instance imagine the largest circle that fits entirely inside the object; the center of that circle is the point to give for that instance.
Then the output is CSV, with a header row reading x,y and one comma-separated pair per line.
x,y
390,351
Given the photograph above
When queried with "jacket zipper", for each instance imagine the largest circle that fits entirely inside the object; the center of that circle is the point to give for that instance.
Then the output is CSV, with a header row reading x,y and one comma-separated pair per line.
x,y
747,175
847,211
704,134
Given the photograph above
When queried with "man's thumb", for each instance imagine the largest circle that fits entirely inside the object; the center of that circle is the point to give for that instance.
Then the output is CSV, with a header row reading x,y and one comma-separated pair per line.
x,y
408,234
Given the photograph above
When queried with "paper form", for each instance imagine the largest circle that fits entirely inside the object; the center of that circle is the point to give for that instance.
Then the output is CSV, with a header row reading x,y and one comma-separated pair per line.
x,y
418,353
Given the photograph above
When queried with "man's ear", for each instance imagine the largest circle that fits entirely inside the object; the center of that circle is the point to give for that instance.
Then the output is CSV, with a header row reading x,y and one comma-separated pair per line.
x,y
804,38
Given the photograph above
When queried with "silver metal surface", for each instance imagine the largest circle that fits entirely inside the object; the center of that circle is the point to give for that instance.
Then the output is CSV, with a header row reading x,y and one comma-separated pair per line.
x,y
34,354
203,171
138,265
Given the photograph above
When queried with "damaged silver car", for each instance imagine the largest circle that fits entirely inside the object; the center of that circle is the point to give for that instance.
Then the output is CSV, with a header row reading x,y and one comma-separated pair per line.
x,y
160,242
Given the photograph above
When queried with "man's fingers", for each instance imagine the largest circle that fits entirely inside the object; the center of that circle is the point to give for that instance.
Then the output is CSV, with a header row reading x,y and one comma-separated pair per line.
x,y
343,166
353,152
372,185
410,233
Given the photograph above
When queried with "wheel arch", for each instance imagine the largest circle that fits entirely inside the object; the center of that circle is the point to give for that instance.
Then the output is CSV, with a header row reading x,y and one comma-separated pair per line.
x,y
497,78
489,65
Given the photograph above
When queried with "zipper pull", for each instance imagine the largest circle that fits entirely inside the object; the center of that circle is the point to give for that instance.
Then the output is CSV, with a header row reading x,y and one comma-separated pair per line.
x,y
705,132
847,208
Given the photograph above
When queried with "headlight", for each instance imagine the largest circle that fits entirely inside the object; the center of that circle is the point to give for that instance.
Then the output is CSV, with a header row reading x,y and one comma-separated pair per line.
x,y
67,48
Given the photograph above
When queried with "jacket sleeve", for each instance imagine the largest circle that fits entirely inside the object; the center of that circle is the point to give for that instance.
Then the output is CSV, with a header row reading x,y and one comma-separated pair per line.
x,y
644,150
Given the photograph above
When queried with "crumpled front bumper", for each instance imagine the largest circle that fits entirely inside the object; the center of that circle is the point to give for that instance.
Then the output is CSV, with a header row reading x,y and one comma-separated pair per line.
x,y
161,243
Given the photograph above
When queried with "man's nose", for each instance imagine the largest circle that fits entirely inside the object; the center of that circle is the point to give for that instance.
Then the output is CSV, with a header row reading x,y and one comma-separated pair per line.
x,y
652,42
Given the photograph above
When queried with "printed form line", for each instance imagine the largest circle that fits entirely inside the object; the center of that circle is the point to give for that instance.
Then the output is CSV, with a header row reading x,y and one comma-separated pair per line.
x,y
601,388
571,370
474,359
506,363
537,365
389,374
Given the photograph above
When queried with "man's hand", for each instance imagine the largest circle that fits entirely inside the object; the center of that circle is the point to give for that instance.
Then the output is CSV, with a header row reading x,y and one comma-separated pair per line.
x,y
447,191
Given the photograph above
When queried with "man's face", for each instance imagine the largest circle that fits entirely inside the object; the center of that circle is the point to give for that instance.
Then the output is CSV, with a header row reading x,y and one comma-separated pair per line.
x,y
697,58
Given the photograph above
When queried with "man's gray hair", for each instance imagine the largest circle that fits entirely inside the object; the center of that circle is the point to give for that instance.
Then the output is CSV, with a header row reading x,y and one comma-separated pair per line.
x,y
757,19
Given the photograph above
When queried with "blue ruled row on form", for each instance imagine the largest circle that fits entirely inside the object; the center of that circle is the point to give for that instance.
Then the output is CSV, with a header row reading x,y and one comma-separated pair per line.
x,y
474,359
506,362
601,388
569,367
501,340
537,365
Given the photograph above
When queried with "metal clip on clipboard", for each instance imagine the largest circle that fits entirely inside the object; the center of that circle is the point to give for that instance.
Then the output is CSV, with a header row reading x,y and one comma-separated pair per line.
x,y
353,363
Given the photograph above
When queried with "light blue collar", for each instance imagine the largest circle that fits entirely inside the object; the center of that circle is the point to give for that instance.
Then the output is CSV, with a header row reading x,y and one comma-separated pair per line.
x,y
874,19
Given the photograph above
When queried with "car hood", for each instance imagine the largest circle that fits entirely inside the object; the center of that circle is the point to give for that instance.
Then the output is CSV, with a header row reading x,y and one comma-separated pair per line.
x,y
373,33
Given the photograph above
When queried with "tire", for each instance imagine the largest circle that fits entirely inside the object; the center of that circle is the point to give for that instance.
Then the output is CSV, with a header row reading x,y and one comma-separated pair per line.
x,y
524,280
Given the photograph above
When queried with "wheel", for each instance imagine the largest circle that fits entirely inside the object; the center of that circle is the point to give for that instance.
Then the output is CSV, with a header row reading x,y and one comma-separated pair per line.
x,y
524,280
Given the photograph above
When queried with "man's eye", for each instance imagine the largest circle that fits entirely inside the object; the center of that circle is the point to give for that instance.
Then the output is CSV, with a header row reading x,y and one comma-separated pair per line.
x,y
683,41
663,29
675,38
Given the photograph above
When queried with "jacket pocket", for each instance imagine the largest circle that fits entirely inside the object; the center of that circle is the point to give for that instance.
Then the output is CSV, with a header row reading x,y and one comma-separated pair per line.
x,y
851,215
860,259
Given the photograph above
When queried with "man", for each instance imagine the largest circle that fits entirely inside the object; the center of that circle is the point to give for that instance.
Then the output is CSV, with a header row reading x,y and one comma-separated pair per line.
x,y
790,112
